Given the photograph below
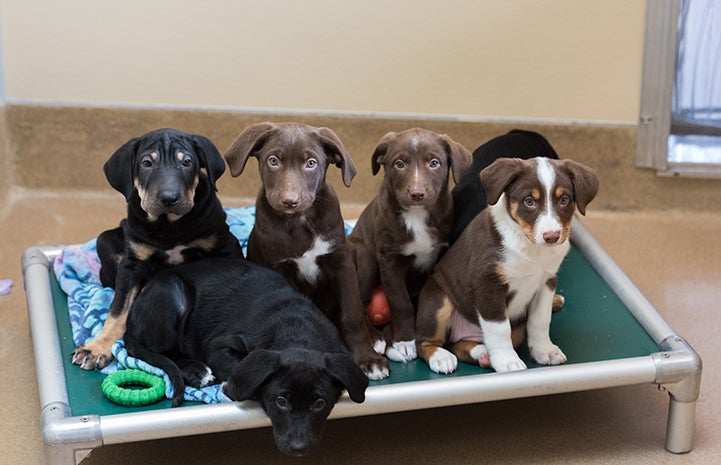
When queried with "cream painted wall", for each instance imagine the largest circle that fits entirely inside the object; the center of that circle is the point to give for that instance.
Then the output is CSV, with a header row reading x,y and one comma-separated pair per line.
x,y
519,59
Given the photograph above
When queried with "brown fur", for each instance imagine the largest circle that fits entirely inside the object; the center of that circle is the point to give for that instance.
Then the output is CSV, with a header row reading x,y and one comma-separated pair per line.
x,y
296,206
380,238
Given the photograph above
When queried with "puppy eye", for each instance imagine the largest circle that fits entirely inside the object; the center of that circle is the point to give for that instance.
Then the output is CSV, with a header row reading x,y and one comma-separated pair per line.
x,y
529,202
399,164
273,161
282,403
187,162
146,163
311,163
564,200
435,163
318,405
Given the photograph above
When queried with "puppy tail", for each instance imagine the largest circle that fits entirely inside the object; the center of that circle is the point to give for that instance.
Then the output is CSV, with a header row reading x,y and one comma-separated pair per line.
x,y
169,367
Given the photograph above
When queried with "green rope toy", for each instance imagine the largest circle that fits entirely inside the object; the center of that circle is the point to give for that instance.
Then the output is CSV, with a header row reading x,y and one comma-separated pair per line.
x,y
113,388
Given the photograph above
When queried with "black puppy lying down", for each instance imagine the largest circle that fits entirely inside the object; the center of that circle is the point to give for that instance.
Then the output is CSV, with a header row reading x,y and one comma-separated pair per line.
x,y
254,332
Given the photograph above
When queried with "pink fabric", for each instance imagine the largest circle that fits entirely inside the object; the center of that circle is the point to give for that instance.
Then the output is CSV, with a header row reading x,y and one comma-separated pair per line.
x,y
464,330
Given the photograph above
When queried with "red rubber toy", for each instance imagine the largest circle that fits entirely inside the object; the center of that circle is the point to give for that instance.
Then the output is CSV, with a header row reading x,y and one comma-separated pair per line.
x,y
378,310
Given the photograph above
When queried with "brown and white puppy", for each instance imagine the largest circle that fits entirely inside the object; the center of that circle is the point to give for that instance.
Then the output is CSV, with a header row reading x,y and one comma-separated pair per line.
x,y
401,233
173,216
299,229
501,272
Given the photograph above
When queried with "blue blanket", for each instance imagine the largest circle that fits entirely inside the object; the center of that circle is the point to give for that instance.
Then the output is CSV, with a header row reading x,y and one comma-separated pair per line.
x,y
77,270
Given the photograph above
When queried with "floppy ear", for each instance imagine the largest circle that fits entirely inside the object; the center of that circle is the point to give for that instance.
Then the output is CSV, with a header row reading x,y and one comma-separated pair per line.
x,y
246,145
499,175
337,152
344,370
380,151
250,373
119,168
459,157
585,183
210,157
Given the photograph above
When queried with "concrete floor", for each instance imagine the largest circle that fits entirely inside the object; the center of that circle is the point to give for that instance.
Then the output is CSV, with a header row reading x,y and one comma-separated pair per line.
x,y
673,257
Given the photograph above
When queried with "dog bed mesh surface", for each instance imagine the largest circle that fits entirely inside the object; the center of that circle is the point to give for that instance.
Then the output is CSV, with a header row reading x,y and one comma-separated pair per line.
x,y
594,325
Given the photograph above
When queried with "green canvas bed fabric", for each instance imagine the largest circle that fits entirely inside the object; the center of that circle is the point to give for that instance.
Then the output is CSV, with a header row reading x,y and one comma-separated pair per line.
x,y
610,333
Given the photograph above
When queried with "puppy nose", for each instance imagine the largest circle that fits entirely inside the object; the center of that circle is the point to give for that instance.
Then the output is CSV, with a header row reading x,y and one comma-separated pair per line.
x,y
290,200
551,237
299,448
169,198
417,195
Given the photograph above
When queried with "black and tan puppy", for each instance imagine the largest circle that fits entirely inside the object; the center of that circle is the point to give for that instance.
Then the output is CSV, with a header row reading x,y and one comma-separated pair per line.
x,y
168,180
402,232
299,229
247,327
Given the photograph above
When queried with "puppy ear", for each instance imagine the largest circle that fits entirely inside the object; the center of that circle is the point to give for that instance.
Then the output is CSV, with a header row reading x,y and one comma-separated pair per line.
x,y
119,168
246,145
496,178
344,370
210,157
459,156
585,183
337,152
380,151
250,373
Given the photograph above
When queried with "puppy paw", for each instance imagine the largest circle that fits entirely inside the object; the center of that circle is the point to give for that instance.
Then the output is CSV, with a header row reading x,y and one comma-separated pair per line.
x,y
550,355
197,374
380,346
91,359
507,361
402,351
376,369
442,361
480,354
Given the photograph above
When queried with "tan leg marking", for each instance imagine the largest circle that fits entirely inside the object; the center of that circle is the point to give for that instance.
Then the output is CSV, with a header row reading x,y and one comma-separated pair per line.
x,y
443,318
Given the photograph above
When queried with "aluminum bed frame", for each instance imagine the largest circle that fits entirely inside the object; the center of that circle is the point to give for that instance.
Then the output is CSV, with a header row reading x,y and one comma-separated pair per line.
x,y
68,438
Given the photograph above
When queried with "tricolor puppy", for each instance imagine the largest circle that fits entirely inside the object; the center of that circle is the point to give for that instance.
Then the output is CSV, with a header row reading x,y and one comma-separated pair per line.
x,y
298,227
401,233
173,216
501,272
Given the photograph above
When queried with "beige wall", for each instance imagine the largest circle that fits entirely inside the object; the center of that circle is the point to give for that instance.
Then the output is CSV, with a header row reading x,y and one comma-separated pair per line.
x,y
516,59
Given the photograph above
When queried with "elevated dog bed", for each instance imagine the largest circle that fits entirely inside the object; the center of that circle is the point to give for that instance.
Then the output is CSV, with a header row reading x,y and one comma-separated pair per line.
x,y
609,331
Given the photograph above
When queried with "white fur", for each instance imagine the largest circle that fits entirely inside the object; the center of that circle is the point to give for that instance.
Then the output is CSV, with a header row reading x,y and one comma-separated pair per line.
x,y
308,268
402,351
548,220
379,346
377,373
497,335
442,361
175,255
208,378
423,246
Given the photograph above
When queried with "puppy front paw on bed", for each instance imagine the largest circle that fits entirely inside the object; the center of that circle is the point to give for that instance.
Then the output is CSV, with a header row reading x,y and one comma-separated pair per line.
x,y
404,229
498,280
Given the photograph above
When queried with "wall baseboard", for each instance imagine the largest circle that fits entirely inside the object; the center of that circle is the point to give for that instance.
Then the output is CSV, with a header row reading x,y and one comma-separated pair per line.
x,y
64,148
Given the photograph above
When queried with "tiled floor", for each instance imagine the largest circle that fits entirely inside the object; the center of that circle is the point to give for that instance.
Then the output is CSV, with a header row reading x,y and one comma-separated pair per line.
x,y
673,257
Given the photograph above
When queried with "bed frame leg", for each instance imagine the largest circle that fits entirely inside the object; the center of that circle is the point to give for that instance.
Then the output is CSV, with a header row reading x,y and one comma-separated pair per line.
x,y
68,440
678,371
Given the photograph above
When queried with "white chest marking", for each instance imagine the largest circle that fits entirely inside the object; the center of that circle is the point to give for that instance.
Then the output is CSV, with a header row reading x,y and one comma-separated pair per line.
x,y
175,255
307,264
527,265
423,245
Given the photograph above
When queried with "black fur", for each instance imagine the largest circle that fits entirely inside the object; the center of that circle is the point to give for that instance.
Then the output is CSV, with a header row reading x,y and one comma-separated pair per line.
x,y
469,198
256,333
173,215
